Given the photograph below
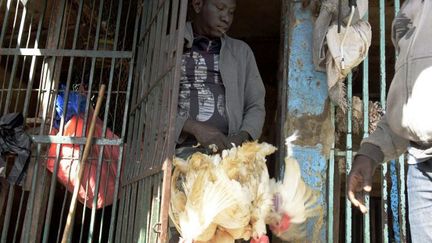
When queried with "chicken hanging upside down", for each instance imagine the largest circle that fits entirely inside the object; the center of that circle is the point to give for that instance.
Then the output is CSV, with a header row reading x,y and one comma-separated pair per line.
x,y
293,201
220,199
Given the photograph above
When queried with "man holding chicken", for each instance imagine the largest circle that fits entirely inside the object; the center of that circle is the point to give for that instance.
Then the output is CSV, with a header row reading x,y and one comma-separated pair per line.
x,y
221,96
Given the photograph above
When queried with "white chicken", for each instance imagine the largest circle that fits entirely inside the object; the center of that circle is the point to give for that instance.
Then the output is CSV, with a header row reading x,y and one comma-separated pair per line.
x,y
223,198
247,165
220,199
294,201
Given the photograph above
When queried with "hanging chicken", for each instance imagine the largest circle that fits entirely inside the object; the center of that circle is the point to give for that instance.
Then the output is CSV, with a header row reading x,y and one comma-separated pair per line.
x,y
247,165
216,198
221,198
294,201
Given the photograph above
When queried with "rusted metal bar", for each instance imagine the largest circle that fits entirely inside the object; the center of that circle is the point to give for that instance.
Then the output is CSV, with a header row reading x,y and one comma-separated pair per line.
x,y
3,88
5,21
90,88
74,140
155,127
8,214
119,223
166,196
126,213
17,97
142,124
20,210
150,171
132,212
48,90
53,70
134,118
143,193
107,105
66,101
155,207
65,53
125,119
166,189
93,63
145,217
149,91
15,63
96,27
148,124
87,148
36,195
33,62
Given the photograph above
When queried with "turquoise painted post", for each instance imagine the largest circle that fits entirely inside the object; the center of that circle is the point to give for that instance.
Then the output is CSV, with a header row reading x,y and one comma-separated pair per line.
x,y
384,201
348,157
308,110
331,185
366,217
401,161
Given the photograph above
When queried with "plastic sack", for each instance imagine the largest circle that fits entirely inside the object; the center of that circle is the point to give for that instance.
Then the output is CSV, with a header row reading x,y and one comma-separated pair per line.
x,y
69,161
75,106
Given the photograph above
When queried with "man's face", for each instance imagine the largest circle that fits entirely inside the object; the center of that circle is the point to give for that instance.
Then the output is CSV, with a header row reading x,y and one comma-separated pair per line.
x,y
214,17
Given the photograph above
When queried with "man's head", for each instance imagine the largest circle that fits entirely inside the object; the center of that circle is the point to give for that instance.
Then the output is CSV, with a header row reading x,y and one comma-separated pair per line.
x,y
213,17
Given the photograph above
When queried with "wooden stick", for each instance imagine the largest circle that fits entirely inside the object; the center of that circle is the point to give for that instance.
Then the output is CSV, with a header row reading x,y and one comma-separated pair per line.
x,y
87,147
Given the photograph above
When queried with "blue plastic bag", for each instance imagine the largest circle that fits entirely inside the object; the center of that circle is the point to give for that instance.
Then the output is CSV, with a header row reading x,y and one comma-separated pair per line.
x,y
76,105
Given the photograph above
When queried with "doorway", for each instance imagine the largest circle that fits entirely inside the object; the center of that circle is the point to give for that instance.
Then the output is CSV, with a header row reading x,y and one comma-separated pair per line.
x,y
259,25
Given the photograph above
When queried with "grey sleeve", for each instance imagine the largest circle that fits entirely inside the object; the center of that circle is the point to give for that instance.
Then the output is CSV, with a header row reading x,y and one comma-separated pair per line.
x,y
180,121
390,145
254,109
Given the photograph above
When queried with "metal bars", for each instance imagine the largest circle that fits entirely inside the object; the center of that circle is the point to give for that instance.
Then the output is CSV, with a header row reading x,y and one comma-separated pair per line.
x,y
74,46
391,177
143,210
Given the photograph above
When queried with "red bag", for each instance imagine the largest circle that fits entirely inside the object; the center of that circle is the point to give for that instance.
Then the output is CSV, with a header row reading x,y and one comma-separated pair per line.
x,y
69,161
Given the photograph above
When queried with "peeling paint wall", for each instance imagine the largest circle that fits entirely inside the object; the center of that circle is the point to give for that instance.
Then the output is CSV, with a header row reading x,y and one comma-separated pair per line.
x,y
308,109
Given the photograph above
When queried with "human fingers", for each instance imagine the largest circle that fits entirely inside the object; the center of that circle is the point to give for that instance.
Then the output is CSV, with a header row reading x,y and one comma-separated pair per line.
x,y
355,191
367,182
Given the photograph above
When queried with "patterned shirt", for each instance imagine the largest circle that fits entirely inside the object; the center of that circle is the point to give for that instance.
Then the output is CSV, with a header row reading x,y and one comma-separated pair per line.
x,y
202,92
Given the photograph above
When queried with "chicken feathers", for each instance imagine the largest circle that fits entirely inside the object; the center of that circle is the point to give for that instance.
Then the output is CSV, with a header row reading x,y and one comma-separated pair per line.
x,y
221,198
294,201
231,194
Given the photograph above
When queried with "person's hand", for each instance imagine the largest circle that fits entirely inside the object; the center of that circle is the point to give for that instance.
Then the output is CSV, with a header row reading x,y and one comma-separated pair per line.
x,y
239,138
206,135
360,181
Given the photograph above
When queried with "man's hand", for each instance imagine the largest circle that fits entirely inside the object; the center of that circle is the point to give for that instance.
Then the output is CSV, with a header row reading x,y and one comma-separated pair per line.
x,y
239,138
360,181
206,135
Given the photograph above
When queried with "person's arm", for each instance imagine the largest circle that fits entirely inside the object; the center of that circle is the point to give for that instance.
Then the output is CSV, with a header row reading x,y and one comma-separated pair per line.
x,y
390,144
381,146
180,122
239,138
205,135
254,110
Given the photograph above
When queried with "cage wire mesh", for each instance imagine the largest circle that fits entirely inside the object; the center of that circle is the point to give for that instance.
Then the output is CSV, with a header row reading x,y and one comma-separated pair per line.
x,y
50,48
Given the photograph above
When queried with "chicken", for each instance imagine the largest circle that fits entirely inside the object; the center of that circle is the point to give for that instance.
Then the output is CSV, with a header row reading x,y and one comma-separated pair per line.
x,y
247,164
220,199
375,112
203,193
294,202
